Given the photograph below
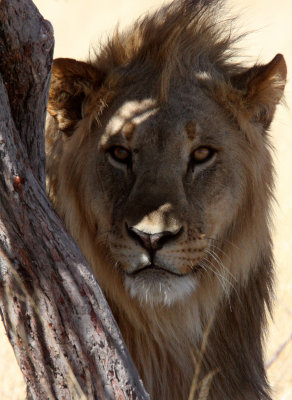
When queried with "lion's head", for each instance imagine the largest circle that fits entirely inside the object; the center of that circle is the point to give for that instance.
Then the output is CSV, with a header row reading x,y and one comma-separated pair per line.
x,y
159,161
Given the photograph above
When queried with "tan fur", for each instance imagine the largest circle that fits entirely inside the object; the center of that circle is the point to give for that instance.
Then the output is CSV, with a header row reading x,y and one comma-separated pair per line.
x,y
161,90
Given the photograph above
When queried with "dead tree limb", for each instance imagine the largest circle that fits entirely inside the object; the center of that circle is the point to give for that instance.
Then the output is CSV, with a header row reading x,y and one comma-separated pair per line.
x,y
278,352
64,336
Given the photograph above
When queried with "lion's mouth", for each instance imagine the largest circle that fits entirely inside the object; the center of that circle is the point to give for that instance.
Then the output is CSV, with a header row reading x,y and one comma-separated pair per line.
x,y
156,268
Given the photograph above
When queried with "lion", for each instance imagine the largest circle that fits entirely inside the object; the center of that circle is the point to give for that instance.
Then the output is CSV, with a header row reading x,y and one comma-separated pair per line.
x,y
159,162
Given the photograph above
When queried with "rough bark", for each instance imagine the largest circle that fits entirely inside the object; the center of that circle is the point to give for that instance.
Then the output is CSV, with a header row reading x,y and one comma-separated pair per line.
x,y
64,336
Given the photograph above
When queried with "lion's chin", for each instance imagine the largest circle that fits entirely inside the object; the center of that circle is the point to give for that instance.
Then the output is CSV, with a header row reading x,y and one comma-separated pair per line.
x,y
158,287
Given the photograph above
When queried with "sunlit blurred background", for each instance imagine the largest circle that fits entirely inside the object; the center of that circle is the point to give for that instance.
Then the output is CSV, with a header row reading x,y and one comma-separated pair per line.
x,y
79,25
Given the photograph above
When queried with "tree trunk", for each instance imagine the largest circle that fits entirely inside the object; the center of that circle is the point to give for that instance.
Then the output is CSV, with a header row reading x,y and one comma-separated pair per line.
x,y
64,336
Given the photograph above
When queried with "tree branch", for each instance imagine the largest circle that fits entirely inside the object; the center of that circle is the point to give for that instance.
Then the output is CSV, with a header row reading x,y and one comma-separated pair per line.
x,y
57,320
278,352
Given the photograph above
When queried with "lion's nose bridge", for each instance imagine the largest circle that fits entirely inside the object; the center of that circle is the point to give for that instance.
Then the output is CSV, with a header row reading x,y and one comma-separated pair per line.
x,y
154,207
161,219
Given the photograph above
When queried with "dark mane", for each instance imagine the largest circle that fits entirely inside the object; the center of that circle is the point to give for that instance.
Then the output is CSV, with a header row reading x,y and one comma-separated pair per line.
x,y
181,39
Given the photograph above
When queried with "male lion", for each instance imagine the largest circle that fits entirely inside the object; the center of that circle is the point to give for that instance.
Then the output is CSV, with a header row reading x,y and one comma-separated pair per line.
x,y
159,163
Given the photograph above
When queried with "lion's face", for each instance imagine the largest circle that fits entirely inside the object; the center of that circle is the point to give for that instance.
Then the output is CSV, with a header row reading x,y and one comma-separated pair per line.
x,y
163,190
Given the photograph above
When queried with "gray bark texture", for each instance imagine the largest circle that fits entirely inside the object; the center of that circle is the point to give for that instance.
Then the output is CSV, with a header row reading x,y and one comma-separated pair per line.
x,y
64,336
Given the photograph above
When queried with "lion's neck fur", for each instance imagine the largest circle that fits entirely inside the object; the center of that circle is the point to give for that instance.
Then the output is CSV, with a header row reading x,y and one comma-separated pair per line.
x,y
161,351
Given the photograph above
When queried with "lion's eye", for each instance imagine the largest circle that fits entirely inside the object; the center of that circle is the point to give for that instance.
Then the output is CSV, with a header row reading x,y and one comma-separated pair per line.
x,y
202,154
120,154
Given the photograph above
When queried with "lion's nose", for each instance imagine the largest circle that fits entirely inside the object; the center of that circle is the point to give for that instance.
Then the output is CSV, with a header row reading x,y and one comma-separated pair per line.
x,y
152,241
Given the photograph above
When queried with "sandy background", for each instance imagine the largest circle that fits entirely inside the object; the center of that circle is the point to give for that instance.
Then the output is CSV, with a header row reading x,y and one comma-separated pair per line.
x,y
271,23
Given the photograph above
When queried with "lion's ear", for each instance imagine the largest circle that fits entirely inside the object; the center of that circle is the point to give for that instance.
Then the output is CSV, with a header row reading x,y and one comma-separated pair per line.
x,y
72,81
262,88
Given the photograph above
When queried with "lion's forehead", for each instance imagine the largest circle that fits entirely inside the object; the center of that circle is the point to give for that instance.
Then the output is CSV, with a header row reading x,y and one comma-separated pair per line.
x,y
183,122
134,111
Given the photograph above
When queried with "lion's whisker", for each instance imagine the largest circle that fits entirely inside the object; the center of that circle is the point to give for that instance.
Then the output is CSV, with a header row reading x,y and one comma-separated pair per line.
x,y
212,239
221,278
216,258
